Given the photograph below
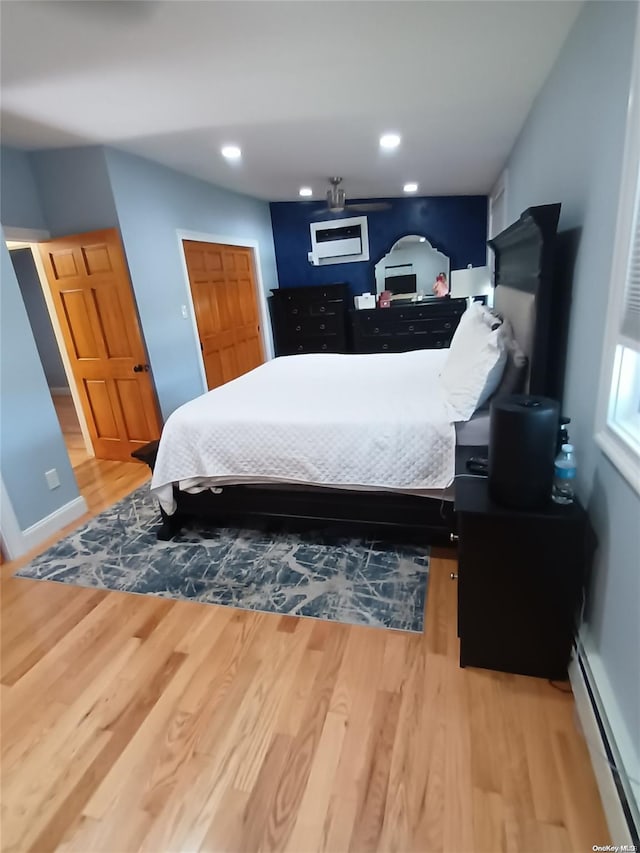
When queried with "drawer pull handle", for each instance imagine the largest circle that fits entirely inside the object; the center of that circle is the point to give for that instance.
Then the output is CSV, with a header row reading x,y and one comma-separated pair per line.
x,y
294,310
411,328
453,576
447,325
453,537
376,330
300,348
322,308
322,326
298,328
385,346
324,346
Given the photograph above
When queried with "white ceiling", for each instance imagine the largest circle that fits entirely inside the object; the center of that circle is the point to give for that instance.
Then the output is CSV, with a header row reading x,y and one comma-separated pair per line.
x,y
305,88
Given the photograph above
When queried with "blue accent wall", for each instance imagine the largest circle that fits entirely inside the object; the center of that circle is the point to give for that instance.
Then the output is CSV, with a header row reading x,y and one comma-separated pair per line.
x,y
39,319
455,225
152,203
20,204
30,438
570,150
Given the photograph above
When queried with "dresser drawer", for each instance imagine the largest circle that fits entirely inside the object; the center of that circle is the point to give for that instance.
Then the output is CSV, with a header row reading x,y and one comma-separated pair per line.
x,y
400,343
301,295
316,344
294,310
328,324
395,325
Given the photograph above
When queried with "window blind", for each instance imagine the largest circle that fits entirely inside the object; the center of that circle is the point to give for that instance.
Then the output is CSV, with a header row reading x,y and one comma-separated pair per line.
x,y
630,328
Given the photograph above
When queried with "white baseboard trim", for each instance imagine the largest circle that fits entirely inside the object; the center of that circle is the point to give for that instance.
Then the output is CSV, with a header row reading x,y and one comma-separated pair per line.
x,y
64,390
611,799
41,530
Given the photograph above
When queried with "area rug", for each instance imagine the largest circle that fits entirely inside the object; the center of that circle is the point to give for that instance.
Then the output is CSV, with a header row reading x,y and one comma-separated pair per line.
x,y
315,573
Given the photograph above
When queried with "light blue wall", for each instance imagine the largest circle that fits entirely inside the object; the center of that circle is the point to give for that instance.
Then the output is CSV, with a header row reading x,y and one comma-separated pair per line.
x,y
30,438
39,320
152,202
74,187
570,150
20,204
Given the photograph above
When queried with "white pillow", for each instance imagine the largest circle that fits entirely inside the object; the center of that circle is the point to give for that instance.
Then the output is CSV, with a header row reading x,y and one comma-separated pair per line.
x,y
475,362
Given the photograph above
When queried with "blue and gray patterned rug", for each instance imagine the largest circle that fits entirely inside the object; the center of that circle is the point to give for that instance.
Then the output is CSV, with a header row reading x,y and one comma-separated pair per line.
x,y
316,573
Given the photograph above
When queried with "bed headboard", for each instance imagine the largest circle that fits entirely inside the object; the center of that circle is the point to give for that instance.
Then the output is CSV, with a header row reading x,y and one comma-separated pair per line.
x,y
527,294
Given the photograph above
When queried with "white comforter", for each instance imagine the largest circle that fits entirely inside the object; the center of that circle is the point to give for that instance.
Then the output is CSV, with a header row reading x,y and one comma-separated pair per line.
x,y
374,421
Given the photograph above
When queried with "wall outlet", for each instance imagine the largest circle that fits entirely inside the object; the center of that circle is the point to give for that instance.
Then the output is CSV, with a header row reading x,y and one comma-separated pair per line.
x,y
185,313
52,478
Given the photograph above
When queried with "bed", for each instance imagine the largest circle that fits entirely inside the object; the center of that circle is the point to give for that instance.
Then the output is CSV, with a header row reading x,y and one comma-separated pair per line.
x,y
362,440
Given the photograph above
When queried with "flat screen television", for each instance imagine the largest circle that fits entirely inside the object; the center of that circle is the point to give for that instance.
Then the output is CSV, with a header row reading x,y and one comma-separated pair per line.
x,y
401,283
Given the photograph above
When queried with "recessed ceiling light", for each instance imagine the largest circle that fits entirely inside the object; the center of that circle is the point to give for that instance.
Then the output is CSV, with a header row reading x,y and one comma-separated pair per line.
x,y
410,188
389,141
305,191
231,152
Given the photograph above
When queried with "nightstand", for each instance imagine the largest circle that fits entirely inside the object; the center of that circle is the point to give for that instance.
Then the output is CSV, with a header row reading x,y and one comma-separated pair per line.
x,y
521,576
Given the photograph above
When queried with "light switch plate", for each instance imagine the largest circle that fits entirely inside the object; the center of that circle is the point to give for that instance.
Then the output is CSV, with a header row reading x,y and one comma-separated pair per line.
x,y
52,478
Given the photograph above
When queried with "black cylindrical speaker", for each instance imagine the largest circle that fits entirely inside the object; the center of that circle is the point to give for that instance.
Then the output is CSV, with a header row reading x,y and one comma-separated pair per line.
x,y
522,446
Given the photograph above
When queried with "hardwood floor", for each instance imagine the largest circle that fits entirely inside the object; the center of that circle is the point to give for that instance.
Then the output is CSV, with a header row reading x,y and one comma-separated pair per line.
x,y
70,426
133,723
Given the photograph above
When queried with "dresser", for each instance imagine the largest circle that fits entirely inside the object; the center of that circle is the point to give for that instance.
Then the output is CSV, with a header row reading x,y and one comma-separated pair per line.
x,y
309,319
419,325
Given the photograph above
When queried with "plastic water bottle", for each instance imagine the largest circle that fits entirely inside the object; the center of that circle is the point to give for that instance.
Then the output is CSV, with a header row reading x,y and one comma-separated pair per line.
x,y
564,476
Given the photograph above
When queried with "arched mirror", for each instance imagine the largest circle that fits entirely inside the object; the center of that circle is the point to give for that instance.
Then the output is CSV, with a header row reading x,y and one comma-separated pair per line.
x,y
413,268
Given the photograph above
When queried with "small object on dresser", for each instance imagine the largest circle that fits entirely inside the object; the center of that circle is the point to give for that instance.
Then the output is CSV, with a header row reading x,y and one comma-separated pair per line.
x,y
564,476
384,299
365,300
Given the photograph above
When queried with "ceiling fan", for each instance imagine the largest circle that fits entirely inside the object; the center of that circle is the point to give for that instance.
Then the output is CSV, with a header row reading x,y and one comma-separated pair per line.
x,y
337,203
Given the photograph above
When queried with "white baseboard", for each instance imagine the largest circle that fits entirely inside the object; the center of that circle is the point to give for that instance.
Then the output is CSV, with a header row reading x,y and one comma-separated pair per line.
x,y
63,391
46,527
611,802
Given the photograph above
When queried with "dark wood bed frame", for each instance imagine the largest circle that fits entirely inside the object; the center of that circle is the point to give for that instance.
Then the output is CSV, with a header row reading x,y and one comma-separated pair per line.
x,y
524,260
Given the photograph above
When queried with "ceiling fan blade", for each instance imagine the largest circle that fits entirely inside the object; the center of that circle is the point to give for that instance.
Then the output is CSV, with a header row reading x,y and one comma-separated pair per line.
x,y
325,211
369,206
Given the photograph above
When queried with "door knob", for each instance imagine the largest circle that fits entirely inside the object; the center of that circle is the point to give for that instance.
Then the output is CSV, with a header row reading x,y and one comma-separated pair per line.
x,y
140,368
453,576
453,537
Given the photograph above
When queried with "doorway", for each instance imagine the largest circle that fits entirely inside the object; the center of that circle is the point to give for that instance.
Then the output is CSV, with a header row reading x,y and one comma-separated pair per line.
x,y
82,311
33,297
224,291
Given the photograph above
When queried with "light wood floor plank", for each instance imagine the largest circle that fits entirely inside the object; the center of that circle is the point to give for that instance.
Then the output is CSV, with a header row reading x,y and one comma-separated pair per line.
x,y
132,723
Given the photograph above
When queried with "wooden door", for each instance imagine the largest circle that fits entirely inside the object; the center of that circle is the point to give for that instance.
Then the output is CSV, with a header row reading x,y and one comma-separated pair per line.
x,y
94,303
223,286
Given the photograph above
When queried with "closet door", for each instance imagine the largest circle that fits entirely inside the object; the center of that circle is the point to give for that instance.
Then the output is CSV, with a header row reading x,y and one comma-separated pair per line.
x,y
223,287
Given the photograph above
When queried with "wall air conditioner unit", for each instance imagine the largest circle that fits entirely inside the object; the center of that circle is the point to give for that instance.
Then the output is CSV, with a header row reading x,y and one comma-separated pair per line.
x,y
339,241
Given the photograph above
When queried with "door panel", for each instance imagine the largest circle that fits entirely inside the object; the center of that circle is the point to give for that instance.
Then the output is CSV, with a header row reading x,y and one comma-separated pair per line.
x,y
92,295
101,409
223,287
